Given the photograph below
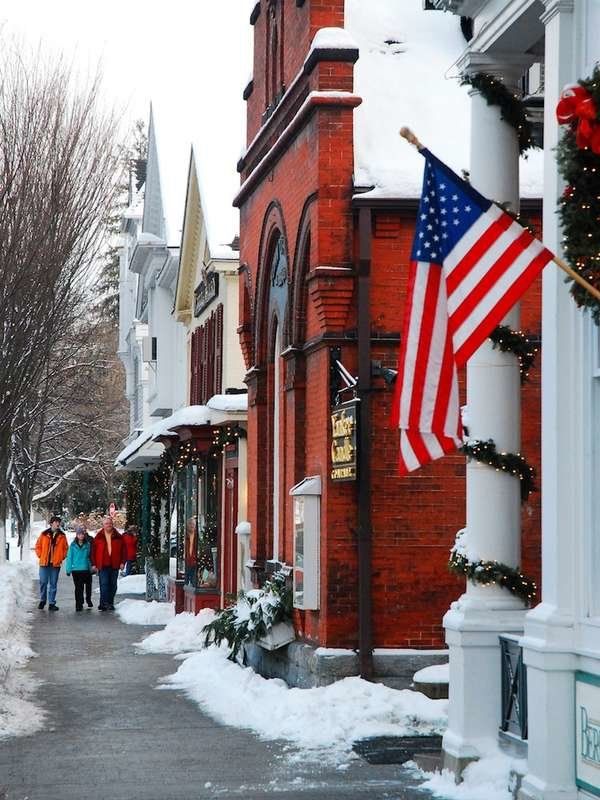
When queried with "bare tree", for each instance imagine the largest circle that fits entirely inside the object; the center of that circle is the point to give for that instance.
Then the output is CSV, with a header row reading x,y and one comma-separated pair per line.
x,y
58,162
75,422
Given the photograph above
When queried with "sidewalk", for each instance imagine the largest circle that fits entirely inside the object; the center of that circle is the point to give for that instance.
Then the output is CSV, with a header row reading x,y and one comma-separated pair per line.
x,y
112,736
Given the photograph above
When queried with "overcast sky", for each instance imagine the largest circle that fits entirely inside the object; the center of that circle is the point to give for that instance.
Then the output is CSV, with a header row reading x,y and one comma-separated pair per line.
x,y
190,58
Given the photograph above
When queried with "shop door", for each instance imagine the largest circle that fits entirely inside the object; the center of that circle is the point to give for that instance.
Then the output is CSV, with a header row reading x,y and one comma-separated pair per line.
x,y
230,512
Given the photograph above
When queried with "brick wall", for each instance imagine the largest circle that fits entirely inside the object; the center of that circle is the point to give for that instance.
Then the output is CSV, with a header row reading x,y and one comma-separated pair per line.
x,y
306,184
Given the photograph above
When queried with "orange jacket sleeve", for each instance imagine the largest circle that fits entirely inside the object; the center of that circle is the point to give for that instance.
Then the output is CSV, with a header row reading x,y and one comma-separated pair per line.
x,y
38,547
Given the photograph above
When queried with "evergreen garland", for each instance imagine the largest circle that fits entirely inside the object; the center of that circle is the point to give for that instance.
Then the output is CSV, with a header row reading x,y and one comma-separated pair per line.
x,y
512,108
518,343
579,207
493,572
252,616
514,463
160,491
133,498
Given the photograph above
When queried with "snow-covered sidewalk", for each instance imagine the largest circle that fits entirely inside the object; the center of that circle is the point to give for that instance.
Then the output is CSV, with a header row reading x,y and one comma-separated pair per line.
x,y
324,720
18,714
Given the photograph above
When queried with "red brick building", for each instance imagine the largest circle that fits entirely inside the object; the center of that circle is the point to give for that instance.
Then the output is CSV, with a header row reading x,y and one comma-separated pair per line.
x,y
321,214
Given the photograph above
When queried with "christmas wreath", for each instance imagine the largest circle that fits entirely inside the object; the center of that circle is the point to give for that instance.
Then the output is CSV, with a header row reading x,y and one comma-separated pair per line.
x,y
578,156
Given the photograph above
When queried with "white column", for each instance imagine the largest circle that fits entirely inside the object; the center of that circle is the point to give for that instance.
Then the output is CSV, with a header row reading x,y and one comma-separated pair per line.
x,y
548,643
475,621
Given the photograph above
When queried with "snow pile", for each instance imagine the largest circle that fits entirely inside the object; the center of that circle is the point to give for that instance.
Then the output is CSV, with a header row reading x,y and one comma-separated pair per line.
x,y
437,673
325,718
139,612
406,75
487,778
182,634
132,584
18,714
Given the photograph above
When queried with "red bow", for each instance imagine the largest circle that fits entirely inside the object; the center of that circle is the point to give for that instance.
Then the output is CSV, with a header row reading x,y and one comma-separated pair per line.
x,y
576,106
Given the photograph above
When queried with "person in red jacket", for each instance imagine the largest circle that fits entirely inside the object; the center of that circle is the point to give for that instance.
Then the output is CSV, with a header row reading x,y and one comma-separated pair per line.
x,y
108,556
130,540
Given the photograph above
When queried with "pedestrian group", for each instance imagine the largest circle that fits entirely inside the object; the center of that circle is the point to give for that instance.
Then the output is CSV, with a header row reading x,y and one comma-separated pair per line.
x,y
106,554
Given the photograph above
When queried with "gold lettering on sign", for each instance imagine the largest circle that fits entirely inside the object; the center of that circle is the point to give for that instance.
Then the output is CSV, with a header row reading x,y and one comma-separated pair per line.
x,y
342,453
342,425
343,444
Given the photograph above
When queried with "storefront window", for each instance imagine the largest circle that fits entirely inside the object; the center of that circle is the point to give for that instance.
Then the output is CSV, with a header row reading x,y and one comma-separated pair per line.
x,y
187,518
207,553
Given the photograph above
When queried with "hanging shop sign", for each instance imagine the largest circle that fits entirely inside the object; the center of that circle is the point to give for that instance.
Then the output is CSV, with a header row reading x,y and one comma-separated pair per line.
x,y
587,732
205,292
344,442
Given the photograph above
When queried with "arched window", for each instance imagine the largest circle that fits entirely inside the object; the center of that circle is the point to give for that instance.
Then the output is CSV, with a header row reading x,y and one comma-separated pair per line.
x,y
276,448
278,292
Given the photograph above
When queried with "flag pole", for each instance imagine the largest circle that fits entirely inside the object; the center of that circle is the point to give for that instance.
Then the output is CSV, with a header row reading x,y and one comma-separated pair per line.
x,y
577,277
410,137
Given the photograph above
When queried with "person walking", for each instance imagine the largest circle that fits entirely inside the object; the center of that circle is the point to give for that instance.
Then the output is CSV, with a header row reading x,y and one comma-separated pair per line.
x,y
130,541
108,556
51,549
79,565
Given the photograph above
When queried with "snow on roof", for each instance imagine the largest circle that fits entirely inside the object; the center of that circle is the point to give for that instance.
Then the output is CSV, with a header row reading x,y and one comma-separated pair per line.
x,y
229,402
406,56
184,417
146,435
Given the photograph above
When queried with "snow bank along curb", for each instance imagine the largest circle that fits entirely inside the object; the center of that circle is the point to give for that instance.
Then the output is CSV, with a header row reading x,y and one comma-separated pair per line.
x,y
139,612
487,778
19,716
324,719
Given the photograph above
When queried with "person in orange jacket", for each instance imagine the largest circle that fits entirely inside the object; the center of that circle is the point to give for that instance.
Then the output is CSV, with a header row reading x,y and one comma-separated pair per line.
x,y
51,549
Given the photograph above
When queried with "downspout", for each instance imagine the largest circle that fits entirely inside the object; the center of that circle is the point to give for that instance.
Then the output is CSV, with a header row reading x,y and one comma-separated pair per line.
x,y
365,624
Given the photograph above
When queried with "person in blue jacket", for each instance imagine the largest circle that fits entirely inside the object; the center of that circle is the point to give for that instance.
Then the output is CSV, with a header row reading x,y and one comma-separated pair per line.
x,y
79,565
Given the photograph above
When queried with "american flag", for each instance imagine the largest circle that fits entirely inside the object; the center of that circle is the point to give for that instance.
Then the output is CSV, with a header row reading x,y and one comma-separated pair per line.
x,y
470,263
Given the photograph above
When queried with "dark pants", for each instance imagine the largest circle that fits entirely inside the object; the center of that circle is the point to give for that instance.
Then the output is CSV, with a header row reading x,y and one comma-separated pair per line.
x,y
128,568
107,578
48,582
82,580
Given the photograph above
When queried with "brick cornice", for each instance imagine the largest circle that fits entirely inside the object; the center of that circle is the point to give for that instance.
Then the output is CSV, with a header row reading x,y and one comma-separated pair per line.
x,y
315,101
348,55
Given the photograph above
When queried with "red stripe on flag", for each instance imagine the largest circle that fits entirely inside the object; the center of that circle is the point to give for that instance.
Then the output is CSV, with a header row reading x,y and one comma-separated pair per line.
x,y
412,274
472,258
418,445
444,390
502,307
430,301
490,278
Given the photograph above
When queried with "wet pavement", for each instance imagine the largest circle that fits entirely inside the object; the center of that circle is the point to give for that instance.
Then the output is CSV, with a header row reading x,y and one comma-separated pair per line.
x,y
111,735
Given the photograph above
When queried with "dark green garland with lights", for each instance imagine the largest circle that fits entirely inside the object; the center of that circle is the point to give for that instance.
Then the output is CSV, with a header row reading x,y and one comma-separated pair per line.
x,y
512,108
579,206
160,495
488,573
512,463
133,498
518,343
